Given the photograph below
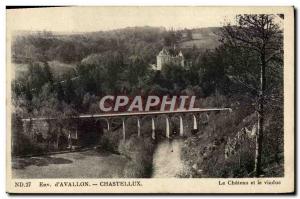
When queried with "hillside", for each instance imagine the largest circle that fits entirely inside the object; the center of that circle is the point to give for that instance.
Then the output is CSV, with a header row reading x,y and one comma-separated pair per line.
x,y
72,48
202,38
58,69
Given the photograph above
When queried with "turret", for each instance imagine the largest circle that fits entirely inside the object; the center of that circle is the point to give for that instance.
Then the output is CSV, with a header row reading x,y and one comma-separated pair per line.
x,y
180,54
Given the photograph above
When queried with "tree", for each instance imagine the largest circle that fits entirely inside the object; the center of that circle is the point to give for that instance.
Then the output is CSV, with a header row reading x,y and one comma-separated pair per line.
x,y
189,34
137,71
260,36
211,72
70,95
47,72
171,38
176,75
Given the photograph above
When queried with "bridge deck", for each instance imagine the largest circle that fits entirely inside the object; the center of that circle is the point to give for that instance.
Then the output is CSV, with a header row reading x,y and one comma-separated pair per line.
x,y
128,114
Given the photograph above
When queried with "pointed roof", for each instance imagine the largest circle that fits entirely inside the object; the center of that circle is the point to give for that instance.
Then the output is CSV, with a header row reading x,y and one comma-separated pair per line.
x,y
180,54
163,52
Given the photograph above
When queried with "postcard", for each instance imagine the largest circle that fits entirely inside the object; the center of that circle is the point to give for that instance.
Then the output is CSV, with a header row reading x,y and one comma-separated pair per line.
x,y
156,100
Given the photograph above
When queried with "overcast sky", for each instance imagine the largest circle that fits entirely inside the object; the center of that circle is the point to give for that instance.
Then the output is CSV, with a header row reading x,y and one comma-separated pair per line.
x,y
86,19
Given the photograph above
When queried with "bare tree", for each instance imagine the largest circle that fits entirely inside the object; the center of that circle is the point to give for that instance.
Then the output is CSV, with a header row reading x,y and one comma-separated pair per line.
x,y
260,36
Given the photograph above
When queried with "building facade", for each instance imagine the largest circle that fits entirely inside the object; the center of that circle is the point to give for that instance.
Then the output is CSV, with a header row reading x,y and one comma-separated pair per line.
x,y
166,57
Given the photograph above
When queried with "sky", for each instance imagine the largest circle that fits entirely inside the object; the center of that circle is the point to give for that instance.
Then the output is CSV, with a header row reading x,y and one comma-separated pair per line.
x,y
88,19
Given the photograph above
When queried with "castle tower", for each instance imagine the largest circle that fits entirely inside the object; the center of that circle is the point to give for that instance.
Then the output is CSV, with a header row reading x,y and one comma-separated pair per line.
x,y
180,55
162,58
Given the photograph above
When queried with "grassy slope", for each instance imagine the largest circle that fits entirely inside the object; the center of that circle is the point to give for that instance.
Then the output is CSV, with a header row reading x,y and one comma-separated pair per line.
x,y
204,153
58,68
203,38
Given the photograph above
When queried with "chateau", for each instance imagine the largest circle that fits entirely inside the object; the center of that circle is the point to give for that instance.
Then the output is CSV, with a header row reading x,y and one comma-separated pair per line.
x,y
168,57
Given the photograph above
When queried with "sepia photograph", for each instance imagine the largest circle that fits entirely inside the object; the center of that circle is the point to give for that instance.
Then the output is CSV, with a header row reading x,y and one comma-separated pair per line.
x,y
154,94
